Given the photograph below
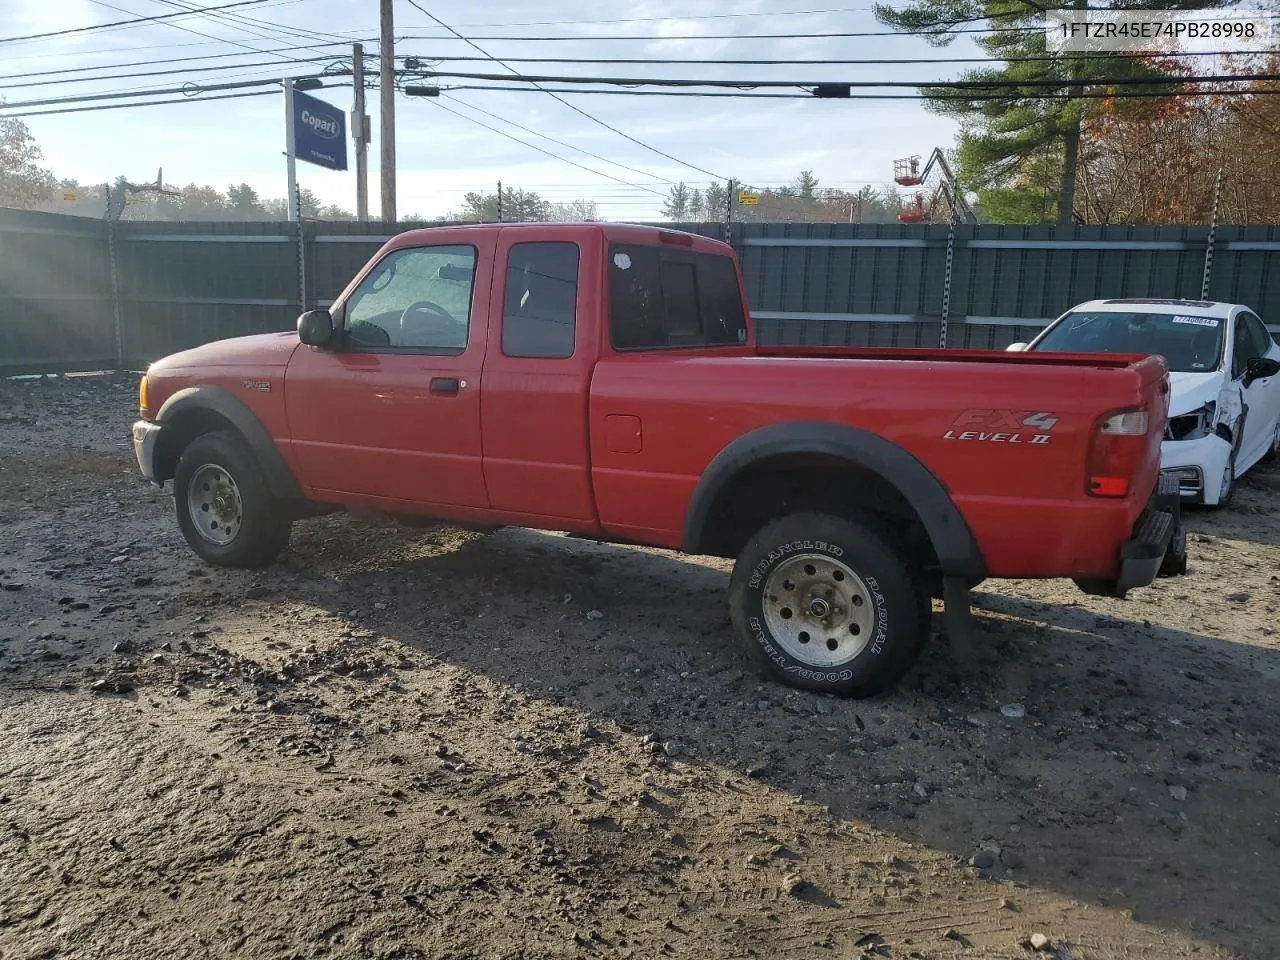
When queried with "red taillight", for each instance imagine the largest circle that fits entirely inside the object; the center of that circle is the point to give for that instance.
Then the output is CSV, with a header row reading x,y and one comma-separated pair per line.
x,y
1116,452
671,236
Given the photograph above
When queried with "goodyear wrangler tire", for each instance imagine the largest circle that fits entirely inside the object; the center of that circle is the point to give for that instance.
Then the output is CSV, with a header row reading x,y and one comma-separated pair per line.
x,y
823,603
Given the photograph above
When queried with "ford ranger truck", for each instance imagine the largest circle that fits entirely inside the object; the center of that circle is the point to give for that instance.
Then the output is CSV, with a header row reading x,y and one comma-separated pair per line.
x,y
604,381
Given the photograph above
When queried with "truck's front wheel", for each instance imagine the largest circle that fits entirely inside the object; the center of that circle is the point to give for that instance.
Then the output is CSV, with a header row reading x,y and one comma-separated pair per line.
x,y
823,603
225,509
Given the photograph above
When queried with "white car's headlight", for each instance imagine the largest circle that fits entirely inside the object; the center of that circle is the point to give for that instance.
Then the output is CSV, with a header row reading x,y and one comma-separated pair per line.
x,y
1193,425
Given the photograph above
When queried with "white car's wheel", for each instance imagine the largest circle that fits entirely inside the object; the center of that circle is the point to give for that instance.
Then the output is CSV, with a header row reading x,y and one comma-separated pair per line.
x,y
1228,487
1274,452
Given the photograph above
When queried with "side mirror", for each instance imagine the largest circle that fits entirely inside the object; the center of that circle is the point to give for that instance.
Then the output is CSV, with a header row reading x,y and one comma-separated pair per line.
x,y
315,328
1016,347
1260,368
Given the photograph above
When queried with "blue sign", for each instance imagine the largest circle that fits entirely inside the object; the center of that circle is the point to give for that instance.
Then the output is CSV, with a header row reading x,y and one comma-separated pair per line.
x,y
319,133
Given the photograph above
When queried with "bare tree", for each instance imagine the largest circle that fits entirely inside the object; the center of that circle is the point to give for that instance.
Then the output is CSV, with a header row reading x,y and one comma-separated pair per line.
x,y
577,211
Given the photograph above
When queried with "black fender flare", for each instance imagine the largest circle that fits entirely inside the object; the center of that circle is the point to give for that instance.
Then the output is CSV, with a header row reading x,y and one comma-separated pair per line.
x,y
280,478
952,540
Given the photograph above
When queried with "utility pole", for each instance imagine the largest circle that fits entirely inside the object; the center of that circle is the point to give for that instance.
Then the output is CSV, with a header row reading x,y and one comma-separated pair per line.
x,y
290,149
728,213
360,133
1213,228
386,82
499,201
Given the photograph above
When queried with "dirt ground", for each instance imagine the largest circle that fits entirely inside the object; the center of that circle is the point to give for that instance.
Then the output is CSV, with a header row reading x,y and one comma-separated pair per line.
x,y
427,743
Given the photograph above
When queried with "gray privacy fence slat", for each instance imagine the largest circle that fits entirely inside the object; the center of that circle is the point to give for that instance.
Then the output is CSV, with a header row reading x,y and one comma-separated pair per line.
x,y
182,284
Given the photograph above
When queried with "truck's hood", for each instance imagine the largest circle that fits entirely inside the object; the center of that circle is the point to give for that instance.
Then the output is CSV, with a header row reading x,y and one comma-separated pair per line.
x,y
1191,391
257,351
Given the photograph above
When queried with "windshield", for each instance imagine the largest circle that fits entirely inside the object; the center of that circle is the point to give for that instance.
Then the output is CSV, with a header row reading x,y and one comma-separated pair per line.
x,y
1188,344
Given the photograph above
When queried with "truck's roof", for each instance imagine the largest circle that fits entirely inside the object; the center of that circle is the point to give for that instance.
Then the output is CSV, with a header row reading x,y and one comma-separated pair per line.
x,y
614,232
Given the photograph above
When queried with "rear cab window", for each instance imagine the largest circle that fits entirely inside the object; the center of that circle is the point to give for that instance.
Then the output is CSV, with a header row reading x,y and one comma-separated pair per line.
x,y
662,299
540,302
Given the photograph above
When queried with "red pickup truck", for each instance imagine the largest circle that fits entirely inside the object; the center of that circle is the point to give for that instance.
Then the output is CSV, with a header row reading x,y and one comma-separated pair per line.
x,y
603,380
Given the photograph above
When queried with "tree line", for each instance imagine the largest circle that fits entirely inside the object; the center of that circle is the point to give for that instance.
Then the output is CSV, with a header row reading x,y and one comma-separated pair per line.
x,y
802,200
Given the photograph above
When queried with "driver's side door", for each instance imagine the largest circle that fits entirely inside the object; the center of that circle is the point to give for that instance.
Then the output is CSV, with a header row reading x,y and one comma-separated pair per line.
x,y
390,413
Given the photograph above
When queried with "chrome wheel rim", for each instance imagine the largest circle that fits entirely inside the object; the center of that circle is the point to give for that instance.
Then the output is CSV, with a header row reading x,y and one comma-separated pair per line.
x,y
818,610
214,504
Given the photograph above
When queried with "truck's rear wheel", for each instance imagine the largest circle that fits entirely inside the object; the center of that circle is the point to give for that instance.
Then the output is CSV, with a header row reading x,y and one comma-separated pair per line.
x,y
823,603
225,509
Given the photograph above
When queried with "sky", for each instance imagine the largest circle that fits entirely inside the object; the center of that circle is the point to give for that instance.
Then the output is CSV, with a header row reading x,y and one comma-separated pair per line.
x,y
441,155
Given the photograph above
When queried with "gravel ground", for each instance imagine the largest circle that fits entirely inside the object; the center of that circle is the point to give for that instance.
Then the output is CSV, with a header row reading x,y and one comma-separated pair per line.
x,y
432,743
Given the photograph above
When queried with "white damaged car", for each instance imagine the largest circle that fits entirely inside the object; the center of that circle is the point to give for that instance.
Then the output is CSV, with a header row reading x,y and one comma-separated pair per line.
x,y
1224,377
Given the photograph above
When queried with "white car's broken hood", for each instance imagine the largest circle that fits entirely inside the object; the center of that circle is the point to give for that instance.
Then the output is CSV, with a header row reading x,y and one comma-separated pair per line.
x,y
1191,391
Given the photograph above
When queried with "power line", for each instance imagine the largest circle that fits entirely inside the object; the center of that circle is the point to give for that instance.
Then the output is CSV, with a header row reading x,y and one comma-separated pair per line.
x,y
355,36
189,90
238,21
164,73
351,35
961,95
944,84
235,21
470,106
653,38
143,103
217,18
193,92
163,62
1103,56
184,29
122,23
532,146
573,107
705,16
26,83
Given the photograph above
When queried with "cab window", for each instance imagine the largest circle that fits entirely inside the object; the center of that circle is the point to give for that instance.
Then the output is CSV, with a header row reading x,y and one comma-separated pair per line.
x,y
416,299
540,303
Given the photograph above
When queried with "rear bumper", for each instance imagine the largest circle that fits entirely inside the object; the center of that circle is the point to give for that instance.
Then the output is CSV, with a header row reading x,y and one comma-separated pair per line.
x,y
1158,546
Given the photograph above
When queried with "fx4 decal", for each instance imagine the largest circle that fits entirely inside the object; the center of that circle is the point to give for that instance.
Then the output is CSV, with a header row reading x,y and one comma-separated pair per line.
x,y
262,386
1003,426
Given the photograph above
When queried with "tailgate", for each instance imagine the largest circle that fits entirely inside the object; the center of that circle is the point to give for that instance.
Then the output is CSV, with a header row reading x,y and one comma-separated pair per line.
x,y
1153,388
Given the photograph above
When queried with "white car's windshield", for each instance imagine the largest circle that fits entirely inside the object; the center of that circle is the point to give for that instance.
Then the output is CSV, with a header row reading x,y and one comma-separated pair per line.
x,y
1188,344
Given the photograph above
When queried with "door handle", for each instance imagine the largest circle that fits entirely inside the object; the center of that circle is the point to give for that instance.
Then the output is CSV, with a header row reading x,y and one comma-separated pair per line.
x,y
444,385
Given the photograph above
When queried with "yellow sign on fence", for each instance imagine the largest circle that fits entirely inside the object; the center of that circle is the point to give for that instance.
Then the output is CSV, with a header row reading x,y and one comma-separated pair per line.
x,y
747,199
